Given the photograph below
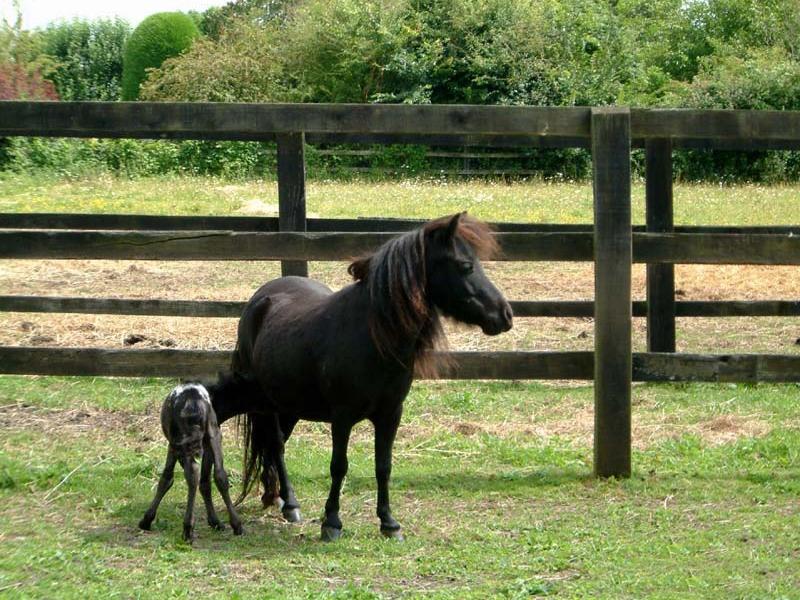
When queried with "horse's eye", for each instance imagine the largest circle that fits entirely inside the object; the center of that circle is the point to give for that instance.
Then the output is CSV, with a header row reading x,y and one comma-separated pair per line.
x,y
465,267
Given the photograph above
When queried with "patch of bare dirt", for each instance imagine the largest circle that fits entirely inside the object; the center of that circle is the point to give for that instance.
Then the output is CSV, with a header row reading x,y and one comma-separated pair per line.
x,y
729,428
77,421
209,280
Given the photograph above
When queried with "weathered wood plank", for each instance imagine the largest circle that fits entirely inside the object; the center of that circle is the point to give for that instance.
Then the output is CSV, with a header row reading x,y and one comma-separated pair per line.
x,y
121,306
160,245
660,277
717,248
247,121
716,367
521,308
104,362
81,221
292,194
716,124
611,143
225,245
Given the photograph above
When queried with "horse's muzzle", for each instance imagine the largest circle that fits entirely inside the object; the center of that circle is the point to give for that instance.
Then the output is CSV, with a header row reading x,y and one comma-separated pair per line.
x,y
500,321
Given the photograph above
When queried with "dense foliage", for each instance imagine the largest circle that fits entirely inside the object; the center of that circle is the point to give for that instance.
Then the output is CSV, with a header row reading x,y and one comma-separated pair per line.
x,y
158,37
87,58
663,53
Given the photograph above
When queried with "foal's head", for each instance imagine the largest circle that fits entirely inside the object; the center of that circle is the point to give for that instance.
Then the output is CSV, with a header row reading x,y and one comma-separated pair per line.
x,y
434,269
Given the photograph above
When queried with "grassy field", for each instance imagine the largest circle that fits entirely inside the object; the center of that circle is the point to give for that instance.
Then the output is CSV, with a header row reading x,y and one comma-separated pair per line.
x,y
492,481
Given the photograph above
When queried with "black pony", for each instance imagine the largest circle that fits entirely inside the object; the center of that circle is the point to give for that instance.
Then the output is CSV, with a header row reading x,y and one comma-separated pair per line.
x,y
351,355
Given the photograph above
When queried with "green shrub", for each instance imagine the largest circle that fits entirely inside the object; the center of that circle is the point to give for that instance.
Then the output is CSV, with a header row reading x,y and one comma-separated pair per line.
x,y
87,56
158,37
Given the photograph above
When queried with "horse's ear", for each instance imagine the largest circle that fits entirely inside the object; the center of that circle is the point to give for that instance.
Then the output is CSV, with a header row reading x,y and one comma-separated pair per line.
x,y
359,269
452,226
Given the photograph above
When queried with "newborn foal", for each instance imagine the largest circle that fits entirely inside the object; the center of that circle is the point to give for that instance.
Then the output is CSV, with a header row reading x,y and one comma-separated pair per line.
x,y
190,426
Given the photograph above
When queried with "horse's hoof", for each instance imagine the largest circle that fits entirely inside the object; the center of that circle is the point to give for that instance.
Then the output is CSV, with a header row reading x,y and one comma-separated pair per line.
x,y
292,515
145,524
238,529
393,534
330,534
217,525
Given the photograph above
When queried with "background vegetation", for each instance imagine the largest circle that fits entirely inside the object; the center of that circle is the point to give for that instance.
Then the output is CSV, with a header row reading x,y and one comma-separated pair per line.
x,y
650,53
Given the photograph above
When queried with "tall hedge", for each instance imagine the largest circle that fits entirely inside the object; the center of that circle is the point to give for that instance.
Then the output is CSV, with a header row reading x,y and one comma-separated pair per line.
x,y
158,37
87,57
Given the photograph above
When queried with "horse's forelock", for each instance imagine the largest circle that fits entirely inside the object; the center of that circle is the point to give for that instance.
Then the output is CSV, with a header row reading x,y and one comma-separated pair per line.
x,y
476,233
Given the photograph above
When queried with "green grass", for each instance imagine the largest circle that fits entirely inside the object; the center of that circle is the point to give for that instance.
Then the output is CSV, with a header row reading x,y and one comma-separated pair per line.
x,y
524,201
492,481
491,506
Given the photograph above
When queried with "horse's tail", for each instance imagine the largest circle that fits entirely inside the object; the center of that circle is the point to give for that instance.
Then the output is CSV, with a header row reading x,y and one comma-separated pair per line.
x,y
258,431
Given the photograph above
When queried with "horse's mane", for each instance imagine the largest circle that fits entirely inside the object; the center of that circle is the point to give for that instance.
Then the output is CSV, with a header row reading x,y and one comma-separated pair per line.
x,y
396,279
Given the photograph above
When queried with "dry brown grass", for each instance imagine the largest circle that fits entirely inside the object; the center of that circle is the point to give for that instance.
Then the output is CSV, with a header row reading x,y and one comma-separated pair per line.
x,y
237,281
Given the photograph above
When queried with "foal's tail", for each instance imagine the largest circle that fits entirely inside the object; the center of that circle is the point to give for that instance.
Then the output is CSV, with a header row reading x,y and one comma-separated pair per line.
x,y
259,431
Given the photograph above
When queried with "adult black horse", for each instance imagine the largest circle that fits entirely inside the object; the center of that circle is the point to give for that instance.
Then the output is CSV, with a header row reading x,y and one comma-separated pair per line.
x,y
351,355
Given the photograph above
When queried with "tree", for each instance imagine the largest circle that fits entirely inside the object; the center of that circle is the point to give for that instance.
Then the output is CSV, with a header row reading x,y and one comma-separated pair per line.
x,y
87,57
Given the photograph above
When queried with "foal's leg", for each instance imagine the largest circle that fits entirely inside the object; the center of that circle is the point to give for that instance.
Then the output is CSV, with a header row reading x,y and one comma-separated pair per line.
x,y
221,479
332,525
385,431
192,472
164,483
205,487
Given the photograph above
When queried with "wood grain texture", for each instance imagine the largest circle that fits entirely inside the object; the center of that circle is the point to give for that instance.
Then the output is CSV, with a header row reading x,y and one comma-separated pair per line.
x,y
249,121
659,216
103,362
292,194
613,251
521,308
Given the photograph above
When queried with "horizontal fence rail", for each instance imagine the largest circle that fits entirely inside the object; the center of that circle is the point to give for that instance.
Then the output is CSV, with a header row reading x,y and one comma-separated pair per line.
x,y
248,121
468,365
424,124
89,221
772,249
521,308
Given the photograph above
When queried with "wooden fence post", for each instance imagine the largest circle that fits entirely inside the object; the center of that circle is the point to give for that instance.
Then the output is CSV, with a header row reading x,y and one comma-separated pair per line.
x,y
611,143
292,193
660,277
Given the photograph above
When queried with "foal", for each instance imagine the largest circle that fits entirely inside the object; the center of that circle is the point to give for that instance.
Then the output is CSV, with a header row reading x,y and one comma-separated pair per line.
x,y
190,426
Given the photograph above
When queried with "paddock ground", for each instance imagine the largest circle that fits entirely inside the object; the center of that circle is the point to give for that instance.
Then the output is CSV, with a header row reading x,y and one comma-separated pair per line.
x,y
492,480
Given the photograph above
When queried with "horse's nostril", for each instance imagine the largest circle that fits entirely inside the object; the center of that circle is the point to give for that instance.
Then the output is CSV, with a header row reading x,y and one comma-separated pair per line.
x,y
508,315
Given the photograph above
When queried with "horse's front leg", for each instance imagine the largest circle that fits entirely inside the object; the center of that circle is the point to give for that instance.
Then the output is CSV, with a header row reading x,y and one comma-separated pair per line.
x,y
332,525
385,431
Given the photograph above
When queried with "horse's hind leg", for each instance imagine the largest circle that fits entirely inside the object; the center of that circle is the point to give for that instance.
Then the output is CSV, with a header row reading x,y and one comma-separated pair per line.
x,y
164,483
221,479
205,487
192,472
332,525
282,429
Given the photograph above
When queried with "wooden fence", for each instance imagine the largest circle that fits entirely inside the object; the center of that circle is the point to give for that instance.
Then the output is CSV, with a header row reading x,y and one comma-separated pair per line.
x,y
611,242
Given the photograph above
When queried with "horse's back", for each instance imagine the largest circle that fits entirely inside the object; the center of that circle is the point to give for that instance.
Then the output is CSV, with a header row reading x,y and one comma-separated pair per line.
x,y
280,299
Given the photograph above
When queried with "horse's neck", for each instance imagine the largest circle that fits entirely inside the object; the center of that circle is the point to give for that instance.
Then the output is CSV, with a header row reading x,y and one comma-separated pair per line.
x,y
402,351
